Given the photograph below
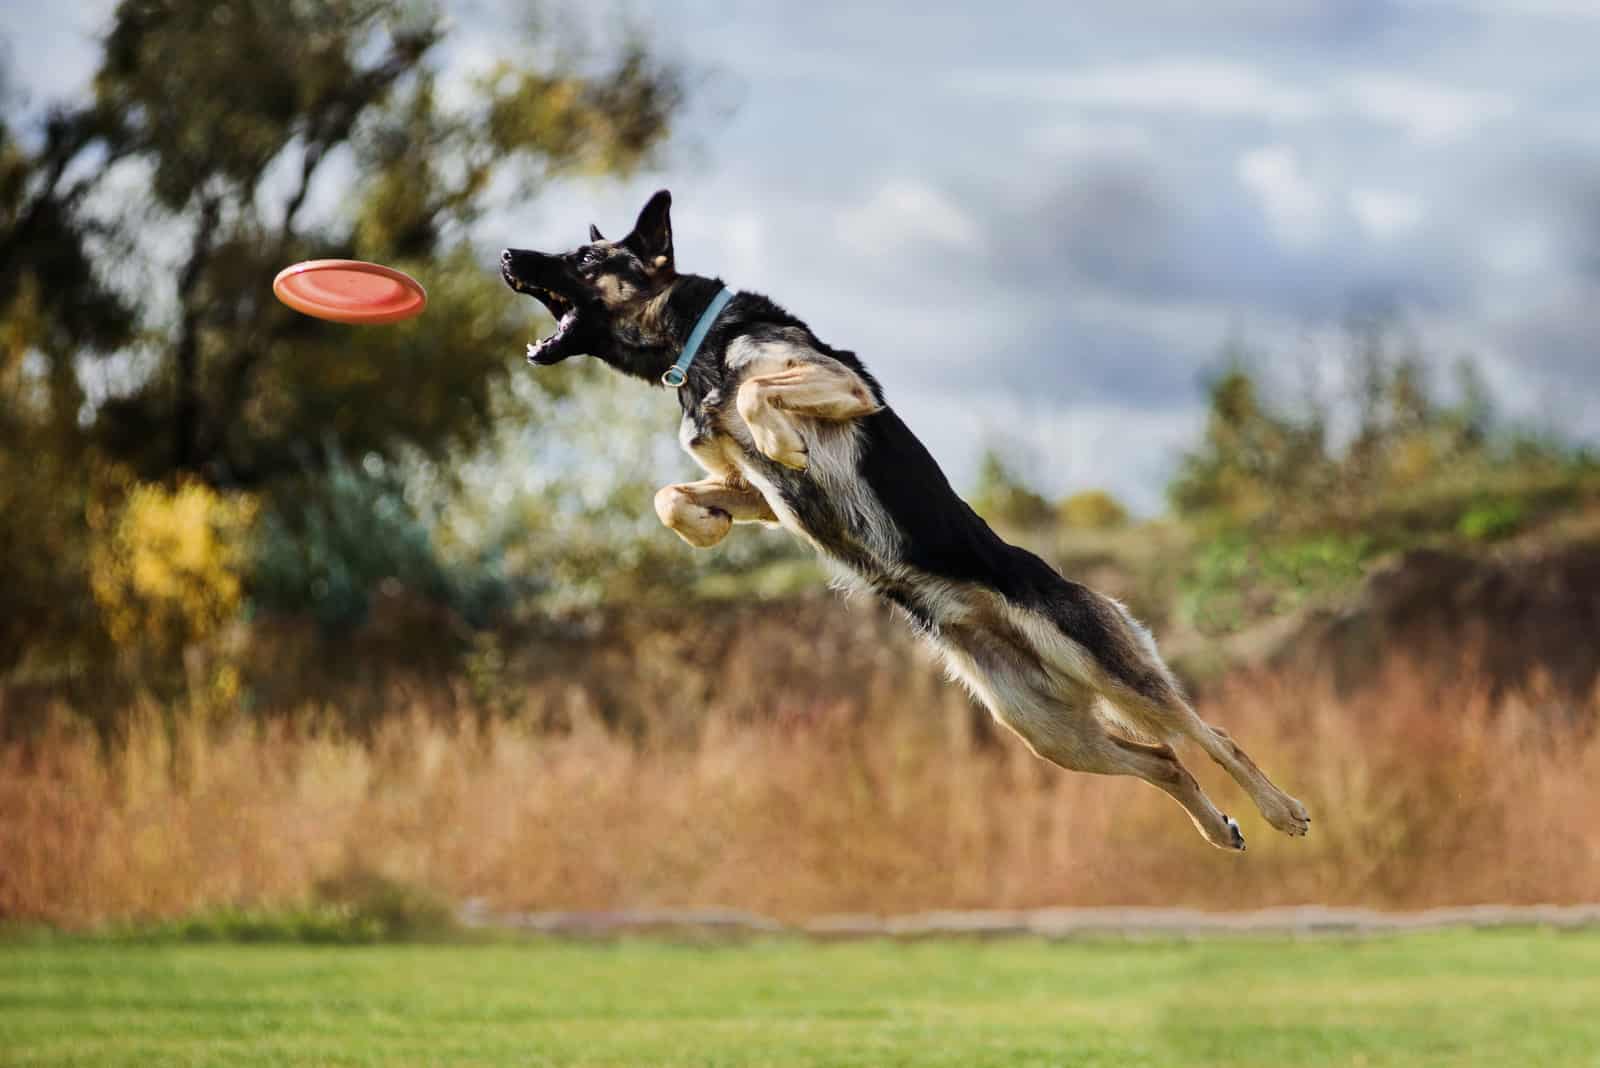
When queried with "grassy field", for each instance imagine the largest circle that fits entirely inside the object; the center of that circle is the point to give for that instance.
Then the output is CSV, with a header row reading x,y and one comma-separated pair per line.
x,y
1510,997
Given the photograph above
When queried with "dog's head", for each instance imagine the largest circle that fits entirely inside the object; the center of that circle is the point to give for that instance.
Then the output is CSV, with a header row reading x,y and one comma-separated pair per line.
x,y
608,297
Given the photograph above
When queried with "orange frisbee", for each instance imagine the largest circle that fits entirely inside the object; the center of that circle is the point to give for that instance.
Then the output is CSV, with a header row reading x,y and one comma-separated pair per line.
x,y
350,291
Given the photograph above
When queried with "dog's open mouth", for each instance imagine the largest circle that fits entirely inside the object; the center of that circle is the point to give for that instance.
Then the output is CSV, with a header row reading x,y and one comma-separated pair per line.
x,y
537,275
549,349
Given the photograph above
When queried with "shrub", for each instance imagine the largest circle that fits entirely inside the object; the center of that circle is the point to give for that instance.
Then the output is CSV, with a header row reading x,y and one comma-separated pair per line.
x,y
1092,510
1492,519
345,537
1002,496
166,566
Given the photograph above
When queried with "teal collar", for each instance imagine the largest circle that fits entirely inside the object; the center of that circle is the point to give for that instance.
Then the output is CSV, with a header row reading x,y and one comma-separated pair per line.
x,y
678,373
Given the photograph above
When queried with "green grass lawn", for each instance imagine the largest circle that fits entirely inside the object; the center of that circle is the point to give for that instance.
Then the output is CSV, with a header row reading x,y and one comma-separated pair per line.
x,y
1494,998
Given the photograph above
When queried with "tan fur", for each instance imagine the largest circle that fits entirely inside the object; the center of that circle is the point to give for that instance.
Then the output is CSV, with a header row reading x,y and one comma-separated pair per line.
x,y
772,402
702,513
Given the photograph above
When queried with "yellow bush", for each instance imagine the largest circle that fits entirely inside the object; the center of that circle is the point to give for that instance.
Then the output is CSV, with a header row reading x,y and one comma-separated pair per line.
x,y
1092,510
166,565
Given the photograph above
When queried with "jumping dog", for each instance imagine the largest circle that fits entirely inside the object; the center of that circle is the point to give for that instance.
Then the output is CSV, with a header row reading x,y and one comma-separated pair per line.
x,y
790,430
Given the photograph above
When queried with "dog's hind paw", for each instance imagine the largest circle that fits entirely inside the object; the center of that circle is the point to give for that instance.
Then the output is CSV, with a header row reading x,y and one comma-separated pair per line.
x,y
1289,816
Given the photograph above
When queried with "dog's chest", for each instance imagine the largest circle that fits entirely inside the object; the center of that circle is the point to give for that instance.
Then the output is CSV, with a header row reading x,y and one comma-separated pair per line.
x,y
707,433
829,504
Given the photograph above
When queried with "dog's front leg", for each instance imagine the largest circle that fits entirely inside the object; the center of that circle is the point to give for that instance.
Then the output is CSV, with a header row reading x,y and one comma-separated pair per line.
x,y
822,389
701,513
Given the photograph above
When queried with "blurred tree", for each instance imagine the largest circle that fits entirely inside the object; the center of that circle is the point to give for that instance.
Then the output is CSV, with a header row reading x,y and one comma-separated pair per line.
x,y
1003,497
1247,456
53,307
1266,464
1093,509
141,227
191,177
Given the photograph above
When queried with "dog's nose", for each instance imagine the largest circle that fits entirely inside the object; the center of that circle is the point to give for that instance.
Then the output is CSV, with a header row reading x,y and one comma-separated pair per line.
x,y
505,255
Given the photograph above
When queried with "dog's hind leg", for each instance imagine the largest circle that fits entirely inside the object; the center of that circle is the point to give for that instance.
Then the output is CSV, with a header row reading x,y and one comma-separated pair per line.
x,y
1153,704
701,513
1169,716
1118,658
1282,811
1095,749
1057,719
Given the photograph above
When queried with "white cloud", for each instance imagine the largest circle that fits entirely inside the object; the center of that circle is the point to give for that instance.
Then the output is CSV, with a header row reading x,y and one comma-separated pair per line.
x,y
1079,138
1571,9
1194,86
1428,111
904,210
1295,208
1385,213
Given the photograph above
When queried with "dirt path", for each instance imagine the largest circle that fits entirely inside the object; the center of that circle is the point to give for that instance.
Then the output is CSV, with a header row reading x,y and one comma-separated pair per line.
x,y
1041,923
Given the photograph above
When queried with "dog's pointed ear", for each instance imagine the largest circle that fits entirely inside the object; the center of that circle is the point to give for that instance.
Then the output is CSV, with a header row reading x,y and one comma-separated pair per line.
x,y
595,234
651,239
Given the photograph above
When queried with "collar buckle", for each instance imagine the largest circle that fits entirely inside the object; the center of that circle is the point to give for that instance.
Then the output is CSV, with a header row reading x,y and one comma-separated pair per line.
x,y
675,376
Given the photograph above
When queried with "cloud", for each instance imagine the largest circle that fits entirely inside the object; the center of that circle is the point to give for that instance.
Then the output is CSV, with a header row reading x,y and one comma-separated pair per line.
x,y
903,211
1555,9
1428,111
1559,335
1076,138
1384,213
1296,209
1198,86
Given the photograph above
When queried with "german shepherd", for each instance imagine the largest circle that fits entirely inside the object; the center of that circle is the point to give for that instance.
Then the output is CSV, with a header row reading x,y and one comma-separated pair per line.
x,y
793,431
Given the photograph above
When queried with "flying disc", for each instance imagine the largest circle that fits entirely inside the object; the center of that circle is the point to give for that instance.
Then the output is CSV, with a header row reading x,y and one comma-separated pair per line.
x,y
350,291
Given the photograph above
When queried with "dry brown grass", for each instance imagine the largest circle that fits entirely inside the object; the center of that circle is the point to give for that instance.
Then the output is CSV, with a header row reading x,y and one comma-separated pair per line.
x,y
799,807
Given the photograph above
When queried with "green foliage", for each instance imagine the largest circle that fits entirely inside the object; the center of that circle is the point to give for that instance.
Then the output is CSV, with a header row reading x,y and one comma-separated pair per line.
x,y
350,535
1492,520
388,910
353,907
1236,579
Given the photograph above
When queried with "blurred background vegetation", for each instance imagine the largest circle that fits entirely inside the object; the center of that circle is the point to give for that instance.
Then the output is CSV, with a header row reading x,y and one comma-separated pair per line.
x,y
216,514
184,461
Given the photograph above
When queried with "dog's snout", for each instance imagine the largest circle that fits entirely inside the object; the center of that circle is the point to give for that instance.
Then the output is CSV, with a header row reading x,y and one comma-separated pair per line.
x,y
505,255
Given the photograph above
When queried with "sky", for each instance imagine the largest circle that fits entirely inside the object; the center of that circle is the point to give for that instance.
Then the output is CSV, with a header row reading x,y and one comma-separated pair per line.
x,y
1040,223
